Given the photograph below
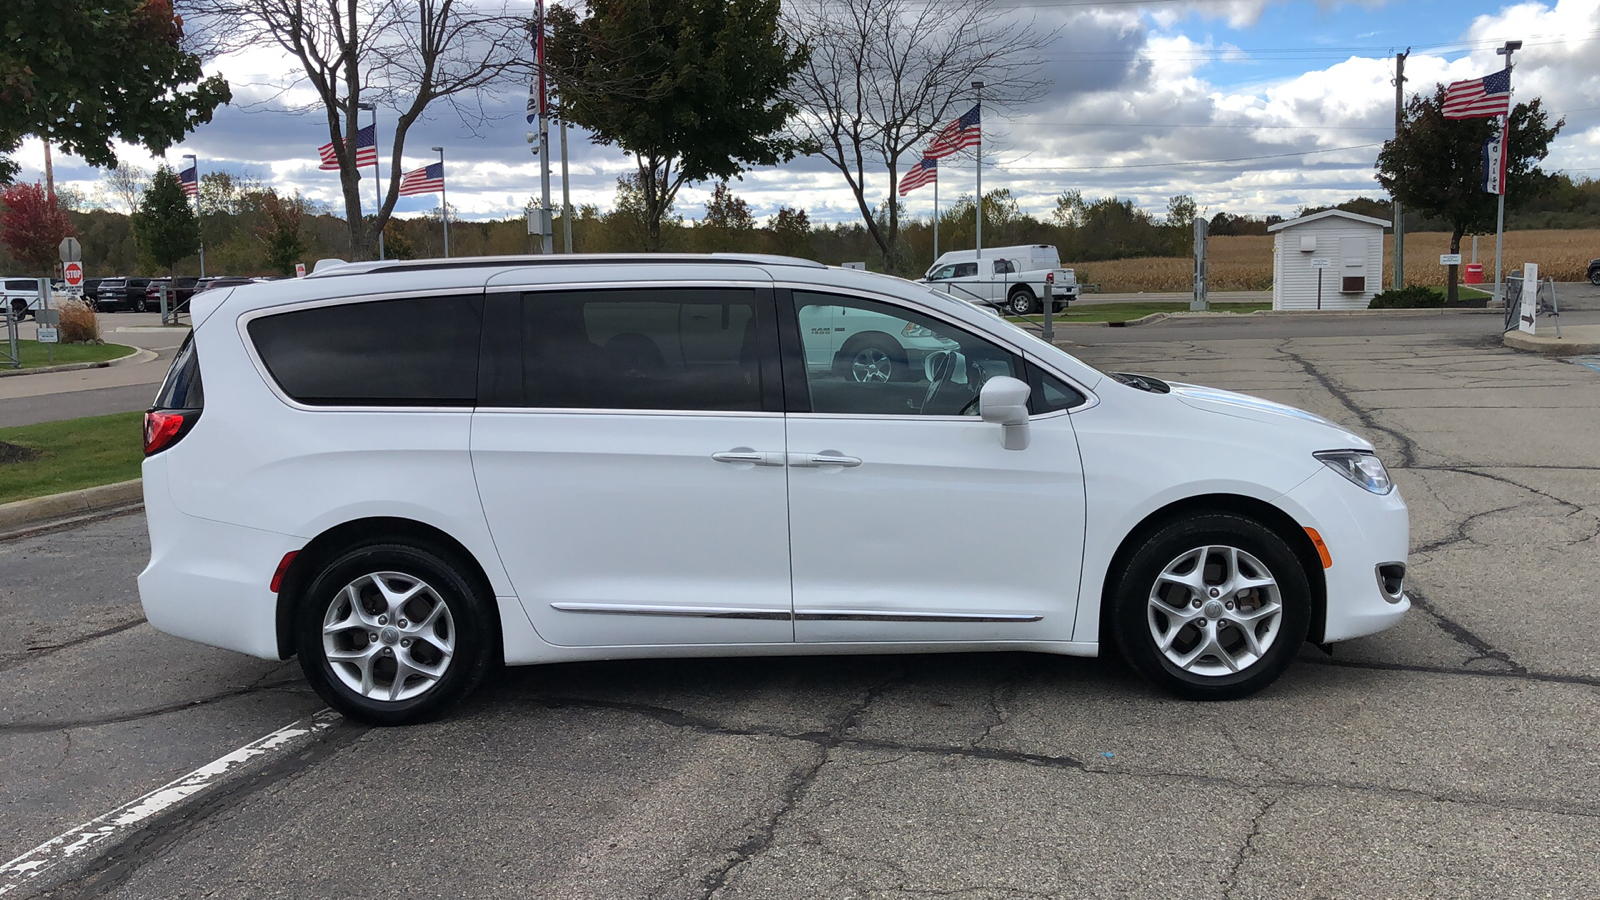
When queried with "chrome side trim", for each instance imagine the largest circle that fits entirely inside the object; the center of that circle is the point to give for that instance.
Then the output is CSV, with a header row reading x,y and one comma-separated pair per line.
x,y
884,615
704,612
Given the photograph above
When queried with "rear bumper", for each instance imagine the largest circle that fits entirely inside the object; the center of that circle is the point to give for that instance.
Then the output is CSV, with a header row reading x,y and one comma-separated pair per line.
x,y
1362,531
208,581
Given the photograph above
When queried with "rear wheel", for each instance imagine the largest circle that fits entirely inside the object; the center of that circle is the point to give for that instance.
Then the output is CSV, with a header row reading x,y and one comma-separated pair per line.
x,y
392,634
139,305
19,308
870,360
1212,607
1021,302
1594,276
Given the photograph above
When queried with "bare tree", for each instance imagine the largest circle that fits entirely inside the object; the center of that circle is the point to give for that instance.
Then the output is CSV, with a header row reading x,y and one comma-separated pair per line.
x,y
885,74
124,185
403,55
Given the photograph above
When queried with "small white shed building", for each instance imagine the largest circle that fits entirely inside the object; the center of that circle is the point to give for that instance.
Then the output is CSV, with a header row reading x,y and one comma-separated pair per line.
x,y
1345,248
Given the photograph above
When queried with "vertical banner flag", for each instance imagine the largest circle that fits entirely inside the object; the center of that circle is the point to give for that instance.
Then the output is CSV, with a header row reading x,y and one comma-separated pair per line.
x,y
924,172
1494,161
1480,98
191,184
958,135
366,151
427,180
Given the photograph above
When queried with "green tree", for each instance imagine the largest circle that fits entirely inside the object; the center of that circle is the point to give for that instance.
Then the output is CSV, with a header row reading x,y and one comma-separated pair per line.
x,y
32,225
1434,165
285,245
82,73
165,223
791,232
690,88
727,210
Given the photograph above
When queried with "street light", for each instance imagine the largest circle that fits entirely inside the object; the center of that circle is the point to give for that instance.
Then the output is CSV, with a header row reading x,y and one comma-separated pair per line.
x,y
444,205
198,221
377,188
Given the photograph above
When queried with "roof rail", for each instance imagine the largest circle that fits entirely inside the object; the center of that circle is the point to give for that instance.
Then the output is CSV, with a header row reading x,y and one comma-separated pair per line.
x,y
564,259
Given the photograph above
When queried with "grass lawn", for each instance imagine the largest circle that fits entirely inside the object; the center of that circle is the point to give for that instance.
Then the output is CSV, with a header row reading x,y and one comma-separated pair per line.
x,y
35,354
1462,291
1122,312
77,453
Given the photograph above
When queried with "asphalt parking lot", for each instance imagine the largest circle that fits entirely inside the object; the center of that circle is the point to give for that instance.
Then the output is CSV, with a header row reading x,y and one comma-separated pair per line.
x,y
1453,756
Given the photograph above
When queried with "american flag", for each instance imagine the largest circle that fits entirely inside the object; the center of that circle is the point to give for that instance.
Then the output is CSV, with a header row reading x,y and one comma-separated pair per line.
x,y
191,184
958,135
427,180
366,151
922,173
1480,98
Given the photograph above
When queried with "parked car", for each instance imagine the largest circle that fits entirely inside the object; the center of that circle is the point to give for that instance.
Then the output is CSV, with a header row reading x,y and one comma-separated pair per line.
x,y
223,281
183,287
21,296
122,293
403,472
1594,271
1009,278
91,291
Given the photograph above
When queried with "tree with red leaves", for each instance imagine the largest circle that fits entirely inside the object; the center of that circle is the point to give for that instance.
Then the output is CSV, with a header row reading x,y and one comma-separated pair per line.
x,y
32,227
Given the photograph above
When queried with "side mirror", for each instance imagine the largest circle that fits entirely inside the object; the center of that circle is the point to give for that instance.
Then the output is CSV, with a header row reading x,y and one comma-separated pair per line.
x,y
1004,401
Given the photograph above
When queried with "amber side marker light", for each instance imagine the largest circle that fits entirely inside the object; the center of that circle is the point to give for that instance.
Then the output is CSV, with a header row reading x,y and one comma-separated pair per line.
x,y
1322,549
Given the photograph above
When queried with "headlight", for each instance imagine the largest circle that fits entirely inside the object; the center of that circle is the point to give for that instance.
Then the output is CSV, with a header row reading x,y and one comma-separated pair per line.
x,y
913,330
1361,467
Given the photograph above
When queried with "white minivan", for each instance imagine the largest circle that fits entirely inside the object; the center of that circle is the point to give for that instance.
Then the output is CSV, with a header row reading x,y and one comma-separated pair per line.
x,y
406,472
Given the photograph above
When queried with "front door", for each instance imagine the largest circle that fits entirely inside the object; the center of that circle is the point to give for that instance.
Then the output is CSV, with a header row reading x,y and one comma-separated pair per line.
x,y
629,457
908,519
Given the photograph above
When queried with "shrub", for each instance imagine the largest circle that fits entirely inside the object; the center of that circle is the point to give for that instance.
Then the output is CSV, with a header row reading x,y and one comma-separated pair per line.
x,y
1411,297
79,324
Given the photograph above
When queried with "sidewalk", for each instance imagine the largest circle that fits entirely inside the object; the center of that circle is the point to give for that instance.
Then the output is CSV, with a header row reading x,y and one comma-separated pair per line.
x,y
1575,340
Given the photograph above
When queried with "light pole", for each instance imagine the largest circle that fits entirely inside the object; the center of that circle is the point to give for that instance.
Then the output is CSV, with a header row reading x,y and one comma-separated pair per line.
x,y
1505,148
377,186
444,204
199,221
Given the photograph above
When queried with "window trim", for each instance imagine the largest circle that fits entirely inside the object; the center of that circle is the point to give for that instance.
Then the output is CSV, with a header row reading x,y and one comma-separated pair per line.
x,y
502,323
242,324
794,367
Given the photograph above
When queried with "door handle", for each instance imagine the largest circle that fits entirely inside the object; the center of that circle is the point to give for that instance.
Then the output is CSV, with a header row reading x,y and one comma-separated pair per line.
x,y
749,457
825,458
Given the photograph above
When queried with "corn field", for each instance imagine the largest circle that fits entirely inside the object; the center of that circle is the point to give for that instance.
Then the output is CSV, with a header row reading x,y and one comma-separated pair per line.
x,y
1245,263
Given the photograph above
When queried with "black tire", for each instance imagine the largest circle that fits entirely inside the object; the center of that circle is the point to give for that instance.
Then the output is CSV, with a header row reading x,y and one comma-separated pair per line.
x,y
139,305
1594,276
19,308
1134,613
871,359
1021,302
471,632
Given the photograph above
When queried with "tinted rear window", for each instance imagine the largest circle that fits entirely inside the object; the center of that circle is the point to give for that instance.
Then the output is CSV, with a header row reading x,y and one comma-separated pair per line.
x,y
22,284
182,389
413,352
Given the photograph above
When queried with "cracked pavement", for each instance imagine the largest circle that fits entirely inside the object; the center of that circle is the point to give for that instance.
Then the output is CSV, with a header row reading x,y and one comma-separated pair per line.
x,y
1452,756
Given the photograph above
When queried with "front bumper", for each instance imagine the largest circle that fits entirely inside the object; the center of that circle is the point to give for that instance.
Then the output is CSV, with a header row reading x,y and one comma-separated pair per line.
x,y
1362,531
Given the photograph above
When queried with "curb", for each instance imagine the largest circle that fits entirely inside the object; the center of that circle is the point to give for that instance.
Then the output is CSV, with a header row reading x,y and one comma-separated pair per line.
x,y
23,515
137,356
1548,346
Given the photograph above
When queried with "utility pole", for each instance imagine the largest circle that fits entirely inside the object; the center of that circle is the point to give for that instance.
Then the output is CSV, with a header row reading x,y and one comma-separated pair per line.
x,y
548,237
1399,280
1505,148
566,193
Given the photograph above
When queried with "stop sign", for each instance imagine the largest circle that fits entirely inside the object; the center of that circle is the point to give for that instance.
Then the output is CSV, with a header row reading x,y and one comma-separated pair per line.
x,y
74,274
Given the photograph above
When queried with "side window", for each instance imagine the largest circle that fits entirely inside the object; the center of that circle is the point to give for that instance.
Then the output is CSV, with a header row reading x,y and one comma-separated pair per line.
x,y
889,361
420,351
967,270
1051,393
1004,267
678,349
944,274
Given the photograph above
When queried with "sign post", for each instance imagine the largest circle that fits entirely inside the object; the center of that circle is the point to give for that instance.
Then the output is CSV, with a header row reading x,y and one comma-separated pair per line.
x,y
1319,264
1201,302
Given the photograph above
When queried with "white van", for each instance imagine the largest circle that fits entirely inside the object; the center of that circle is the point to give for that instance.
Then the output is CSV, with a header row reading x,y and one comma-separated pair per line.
x,y
1008,278
405,472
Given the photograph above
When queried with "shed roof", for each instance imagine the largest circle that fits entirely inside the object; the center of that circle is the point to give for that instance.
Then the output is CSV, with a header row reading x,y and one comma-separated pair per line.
x,y
1325,214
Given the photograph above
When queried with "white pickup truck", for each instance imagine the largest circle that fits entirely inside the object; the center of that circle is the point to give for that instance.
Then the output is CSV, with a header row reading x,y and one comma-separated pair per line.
x,y
1009,278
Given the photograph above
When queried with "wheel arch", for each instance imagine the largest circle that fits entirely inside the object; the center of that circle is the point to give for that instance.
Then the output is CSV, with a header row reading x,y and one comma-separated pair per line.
x,y
1280,522
320,550
1021,285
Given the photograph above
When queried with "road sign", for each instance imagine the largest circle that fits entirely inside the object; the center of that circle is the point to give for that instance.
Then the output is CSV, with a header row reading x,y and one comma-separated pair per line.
x,y
73,273
71,250
48,335
299,270
1530,298
1449,259
1319,263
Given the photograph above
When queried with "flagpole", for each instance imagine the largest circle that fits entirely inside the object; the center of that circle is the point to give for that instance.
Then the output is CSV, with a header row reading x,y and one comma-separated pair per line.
x,y
1505,151
977,87
936,215
548,238
444,204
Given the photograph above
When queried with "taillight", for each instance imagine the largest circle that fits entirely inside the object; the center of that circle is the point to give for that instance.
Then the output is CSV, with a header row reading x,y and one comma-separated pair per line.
x,y
163,428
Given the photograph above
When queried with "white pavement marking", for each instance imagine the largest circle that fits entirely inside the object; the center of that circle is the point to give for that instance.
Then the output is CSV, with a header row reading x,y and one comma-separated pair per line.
x,y
76,841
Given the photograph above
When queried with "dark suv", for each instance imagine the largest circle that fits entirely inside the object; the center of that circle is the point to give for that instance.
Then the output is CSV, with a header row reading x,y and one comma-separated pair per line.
x,y
1594,271
121,293
183,287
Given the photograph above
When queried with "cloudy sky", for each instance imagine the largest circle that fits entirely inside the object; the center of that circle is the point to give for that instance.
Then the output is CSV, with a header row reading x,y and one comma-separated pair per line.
x,y
1251,106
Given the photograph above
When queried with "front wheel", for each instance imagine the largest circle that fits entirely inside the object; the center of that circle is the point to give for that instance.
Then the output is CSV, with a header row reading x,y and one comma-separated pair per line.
x,y
140,305
1212,607
1021,302
392,634
870,360
1594,277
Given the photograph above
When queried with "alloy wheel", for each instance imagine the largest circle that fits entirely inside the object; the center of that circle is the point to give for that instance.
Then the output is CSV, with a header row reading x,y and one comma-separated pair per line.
x,y
1215,610
388,636
871,365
